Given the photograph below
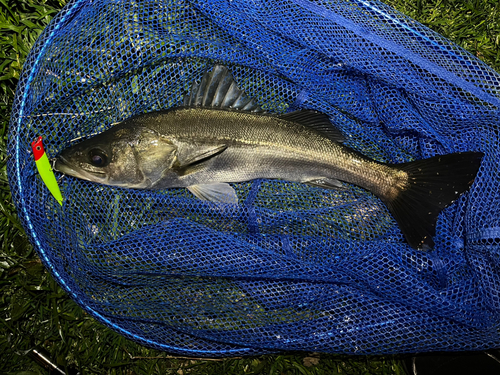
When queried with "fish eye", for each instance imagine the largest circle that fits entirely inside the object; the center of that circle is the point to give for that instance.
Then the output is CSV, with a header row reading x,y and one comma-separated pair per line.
x,y
98,157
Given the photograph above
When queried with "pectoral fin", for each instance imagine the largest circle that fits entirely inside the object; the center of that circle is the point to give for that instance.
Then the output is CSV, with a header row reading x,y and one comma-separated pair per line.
x,y
191,156
218,192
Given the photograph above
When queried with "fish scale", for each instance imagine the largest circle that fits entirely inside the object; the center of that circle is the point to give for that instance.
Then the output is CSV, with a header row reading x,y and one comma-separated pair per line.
x,y
278,148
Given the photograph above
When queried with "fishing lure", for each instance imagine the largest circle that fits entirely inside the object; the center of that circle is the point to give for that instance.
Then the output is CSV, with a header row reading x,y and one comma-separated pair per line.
x,y
45,169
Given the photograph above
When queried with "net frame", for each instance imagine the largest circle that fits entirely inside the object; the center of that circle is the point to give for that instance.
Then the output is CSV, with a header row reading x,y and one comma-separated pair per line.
x,y
469,230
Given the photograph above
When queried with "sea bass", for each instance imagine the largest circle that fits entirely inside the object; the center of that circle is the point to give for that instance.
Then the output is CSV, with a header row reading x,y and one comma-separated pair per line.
x,y
220,135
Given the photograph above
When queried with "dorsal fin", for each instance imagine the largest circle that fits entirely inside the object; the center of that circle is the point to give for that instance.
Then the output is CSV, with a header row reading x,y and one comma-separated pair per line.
x,y
317,121
218,89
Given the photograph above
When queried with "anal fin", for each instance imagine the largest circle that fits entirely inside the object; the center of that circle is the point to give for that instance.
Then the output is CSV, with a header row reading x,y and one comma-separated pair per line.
x,y
326,183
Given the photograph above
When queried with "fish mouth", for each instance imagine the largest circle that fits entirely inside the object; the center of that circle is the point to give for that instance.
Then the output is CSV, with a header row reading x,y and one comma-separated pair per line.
x,y
65,166
60,164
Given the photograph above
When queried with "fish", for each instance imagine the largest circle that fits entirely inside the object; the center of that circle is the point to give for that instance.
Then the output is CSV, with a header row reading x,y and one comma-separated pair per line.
x,y
220,135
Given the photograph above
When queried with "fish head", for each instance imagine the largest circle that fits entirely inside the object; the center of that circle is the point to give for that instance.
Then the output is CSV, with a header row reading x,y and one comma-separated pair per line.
x,y
132,157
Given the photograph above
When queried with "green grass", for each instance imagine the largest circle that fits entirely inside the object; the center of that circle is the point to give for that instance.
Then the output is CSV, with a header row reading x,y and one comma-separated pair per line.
x,y
472,24
34,310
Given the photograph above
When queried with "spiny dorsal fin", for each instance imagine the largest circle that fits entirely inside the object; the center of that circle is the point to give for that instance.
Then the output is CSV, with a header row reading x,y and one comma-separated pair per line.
x,y
218,89
317,121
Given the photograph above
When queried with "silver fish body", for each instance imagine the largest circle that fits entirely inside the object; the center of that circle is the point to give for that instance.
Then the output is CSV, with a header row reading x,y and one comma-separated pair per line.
x,y
207,144
157,150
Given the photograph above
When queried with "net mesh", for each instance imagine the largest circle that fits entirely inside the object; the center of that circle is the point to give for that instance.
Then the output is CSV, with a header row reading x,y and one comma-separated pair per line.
x,y
292,267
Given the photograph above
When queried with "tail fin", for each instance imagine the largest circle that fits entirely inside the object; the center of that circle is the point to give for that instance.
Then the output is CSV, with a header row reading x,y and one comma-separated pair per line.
x,y
433,184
